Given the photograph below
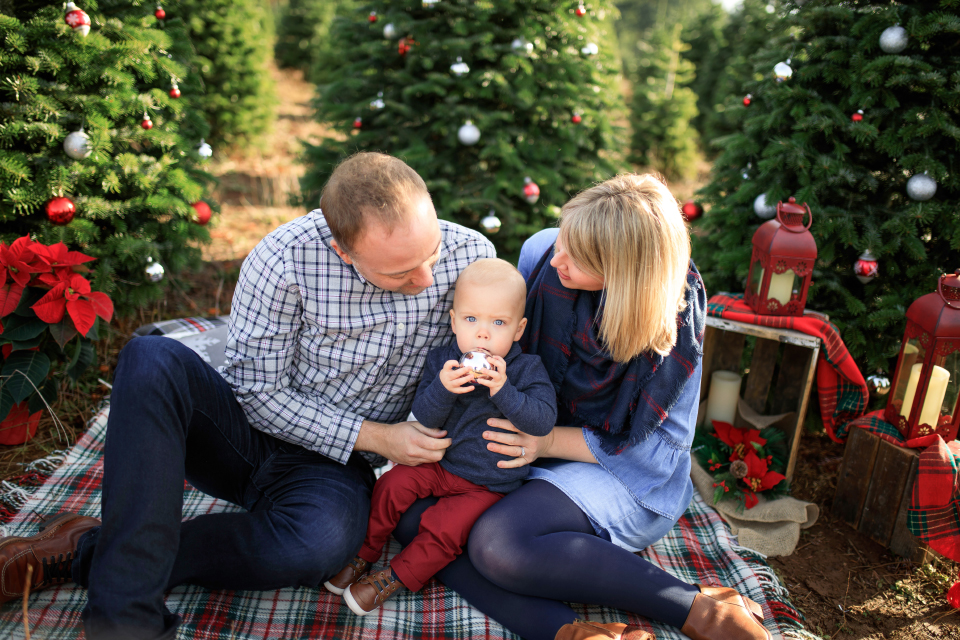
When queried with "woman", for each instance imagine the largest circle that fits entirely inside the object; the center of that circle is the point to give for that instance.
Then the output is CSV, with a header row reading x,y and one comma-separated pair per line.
x,y
615,310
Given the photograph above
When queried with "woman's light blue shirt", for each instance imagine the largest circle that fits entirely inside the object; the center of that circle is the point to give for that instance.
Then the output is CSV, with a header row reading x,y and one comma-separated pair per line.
x,y
635,497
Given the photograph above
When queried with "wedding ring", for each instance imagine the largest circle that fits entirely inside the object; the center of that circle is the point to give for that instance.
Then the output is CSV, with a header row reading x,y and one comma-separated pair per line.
x,y
523,452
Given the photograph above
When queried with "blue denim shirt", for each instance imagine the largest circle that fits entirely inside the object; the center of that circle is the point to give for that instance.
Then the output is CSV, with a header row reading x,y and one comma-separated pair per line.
x,y
654,474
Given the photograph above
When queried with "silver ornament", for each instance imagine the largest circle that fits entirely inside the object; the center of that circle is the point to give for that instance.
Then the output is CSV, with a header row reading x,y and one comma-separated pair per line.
x,y
469,133
762,209
921,187
389,31
879,384
522,46
476,361
894,39
590,49
782,71
378,103
77,145
430,4
154,271
204,150
459,68
491,223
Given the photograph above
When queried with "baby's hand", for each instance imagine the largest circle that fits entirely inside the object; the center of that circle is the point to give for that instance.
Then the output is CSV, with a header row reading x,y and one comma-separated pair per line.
x,y
454,377
494,378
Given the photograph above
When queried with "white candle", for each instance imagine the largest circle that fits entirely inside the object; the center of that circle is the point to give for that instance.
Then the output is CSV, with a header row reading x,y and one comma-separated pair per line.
x,y
909,358
911,390
936,392
781,286
723,396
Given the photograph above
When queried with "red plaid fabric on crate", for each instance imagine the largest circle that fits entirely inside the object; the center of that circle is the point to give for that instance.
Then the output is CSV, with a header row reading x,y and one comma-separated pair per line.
x,y
840,385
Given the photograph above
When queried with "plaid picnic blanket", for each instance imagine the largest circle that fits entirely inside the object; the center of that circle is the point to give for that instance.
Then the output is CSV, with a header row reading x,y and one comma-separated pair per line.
x,y
840,385
699,549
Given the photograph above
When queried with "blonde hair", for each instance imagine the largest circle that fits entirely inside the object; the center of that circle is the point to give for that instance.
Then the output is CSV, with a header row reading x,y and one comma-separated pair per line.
x,y
630,232
488,271
368,185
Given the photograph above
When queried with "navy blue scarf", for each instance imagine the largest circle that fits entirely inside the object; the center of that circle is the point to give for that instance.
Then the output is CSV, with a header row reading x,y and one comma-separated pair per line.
x,y
623,402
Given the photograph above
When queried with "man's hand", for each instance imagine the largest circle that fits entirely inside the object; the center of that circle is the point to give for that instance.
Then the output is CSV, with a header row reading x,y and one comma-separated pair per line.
x,y
455,378
408,443
494,378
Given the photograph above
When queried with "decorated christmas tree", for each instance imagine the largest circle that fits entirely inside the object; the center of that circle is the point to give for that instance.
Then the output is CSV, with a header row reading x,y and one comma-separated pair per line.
x,y
863,124
303,35
100,148
477,97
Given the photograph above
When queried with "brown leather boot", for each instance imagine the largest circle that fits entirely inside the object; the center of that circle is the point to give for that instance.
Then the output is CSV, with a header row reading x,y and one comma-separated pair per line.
x,y
585,630
51,553
347,576
370,591
721,613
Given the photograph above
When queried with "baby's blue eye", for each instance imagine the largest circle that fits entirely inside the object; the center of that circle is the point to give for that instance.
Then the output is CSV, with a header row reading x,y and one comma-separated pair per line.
x,y
470,319
498,322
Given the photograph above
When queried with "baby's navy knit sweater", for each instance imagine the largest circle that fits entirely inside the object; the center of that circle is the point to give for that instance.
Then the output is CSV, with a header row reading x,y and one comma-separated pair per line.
x,y
527,399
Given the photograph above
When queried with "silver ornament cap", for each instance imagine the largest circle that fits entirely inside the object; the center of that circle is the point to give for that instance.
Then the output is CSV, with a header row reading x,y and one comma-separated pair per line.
x,y
77,145
204,150
154,271
921,187
894,39
491,223
782,71
459,68
389,31
762,209
468,134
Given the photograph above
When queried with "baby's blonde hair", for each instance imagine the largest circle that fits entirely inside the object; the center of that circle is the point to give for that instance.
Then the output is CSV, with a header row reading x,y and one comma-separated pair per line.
x,y
494,270
630,232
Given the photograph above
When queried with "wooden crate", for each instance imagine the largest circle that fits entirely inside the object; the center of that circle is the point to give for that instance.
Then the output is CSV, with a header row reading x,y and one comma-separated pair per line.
x,y
873,492
779,377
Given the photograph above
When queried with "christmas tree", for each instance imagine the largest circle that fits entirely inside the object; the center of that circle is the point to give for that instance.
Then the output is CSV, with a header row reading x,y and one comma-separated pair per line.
x,y
303,35
476,97
663,106
99,148
868,177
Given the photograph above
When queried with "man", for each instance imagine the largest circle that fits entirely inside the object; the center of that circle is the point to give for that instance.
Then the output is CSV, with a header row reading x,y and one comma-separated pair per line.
x,y
331,321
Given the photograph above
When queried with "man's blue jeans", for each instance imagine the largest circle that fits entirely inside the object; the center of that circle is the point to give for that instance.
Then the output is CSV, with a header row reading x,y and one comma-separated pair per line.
x,y
172,417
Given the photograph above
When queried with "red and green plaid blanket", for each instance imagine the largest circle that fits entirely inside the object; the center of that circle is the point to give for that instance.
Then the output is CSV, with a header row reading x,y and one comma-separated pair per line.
x,y
840,385
700,548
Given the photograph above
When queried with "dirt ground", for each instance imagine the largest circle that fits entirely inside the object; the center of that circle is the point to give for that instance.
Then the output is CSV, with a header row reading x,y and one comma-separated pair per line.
x,y
846,585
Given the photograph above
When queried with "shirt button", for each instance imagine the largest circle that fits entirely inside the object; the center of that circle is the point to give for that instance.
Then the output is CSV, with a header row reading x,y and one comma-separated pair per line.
x,y
400,328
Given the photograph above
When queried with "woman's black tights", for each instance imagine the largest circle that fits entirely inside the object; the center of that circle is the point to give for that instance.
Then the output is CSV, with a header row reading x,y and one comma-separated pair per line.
x,y
534,550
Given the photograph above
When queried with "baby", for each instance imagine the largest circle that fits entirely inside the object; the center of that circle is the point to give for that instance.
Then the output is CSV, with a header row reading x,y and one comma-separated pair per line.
x,y
487,316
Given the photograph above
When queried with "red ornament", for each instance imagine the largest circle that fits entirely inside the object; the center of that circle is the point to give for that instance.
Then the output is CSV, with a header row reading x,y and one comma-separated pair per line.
x,y
531,190
576,119
858,116
866,267
372,17
78,19
692,210
60,211
175,91
747,99
160,13
357,122
147,123
203,212
580,11
404,45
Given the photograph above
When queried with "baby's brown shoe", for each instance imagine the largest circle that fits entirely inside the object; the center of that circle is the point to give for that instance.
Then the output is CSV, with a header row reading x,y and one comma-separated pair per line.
x,y
371,591
347,576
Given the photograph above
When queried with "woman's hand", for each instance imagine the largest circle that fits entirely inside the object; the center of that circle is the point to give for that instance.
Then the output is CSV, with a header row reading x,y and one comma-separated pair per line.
x,y
522,446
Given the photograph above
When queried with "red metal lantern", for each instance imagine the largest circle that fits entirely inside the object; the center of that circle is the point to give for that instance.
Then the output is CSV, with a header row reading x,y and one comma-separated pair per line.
x,y
782,262
926,386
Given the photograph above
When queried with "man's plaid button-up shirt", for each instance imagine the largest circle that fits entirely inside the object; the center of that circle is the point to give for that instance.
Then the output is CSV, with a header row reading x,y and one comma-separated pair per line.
x,y
314,349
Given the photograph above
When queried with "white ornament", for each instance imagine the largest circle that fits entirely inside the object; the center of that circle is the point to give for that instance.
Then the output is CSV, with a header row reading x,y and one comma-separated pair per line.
x,y
762,209
522,45
389,31
921,187
204,150
378,103
894,39
590,49
430,4
491,223
154,271
783,71
459,68
468,133
77,145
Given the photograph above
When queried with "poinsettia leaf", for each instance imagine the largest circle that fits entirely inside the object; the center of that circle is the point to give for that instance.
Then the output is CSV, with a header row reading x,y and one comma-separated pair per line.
x,y
94,333
82,314
24,372
87,357
6,403
102,304
10,295
47,395
27,344
63,332
19,328
30,297
76,352
51,307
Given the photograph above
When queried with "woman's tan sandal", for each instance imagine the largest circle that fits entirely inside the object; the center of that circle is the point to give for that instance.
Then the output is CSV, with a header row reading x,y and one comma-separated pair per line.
x,y
585,630
721,613
347,576
371,591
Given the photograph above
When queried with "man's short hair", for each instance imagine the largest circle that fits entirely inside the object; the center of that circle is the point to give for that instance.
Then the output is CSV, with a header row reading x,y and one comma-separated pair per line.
x,y
368,186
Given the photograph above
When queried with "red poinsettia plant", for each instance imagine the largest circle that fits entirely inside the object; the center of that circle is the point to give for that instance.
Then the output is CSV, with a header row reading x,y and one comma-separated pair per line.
x,y
743,462
49,314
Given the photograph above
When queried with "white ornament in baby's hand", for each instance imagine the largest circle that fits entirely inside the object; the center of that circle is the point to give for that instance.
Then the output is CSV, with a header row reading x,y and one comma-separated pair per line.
x,y
476,361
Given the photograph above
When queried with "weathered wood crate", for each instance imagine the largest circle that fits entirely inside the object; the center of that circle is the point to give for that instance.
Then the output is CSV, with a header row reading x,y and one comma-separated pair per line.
x,y
873,492
779,373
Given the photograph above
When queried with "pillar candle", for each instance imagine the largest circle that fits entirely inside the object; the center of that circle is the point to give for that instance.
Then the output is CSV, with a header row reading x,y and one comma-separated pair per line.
x,y
781,286
723,396
910,353
936,392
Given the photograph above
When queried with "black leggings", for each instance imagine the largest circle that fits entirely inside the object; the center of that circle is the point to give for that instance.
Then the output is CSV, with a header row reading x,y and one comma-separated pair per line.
x,y
534,550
